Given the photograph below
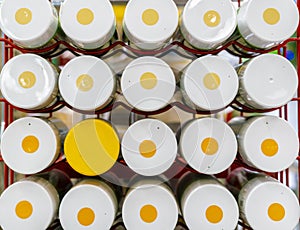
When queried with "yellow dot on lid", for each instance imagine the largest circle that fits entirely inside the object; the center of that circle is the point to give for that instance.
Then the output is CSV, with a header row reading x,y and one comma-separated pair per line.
x,y
276,212
85,82
212,18
30,144
214,214
23,16
211,81
27,79
271,16
23,209
148,80
269,147
148,213
86,216
209,146
85,16
150,17
147,148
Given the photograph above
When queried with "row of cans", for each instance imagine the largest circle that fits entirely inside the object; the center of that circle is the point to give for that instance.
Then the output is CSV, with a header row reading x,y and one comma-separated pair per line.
x,y
149,203
204,24
149,146
209,83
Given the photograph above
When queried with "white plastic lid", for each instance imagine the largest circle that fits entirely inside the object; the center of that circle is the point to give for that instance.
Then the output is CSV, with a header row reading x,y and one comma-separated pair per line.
x,y
28,81
269,143
90,23
271,20
87,83
150,23
209,206
29,145
271,204
208,145
150,206
207,23
210,82
27,205
270,80
149,147
152,80
28,21
89,205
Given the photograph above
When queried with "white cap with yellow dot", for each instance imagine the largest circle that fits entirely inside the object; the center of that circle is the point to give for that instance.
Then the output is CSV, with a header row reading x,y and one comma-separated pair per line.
x,y
263,76
28,205
87,83
150,24
209,83
152,80
266,202
268,143
91,204
29,145
267,23
149,147
150,205
30,23
205,24
28,81
89,24
207,204
208,145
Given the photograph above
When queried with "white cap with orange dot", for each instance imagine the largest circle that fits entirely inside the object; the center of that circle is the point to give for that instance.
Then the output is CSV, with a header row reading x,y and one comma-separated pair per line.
x,y
30,144
150,24
29,23
87,83
209,83
152,80
88,24
264,24
206,24
208,145
91,204
149,147
28,81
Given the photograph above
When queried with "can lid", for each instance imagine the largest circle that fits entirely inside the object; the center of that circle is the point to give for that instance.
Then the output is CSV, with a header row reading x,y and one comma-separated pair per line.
x,y
150,206
86,83
29,145
149,147
208,145
269,143
151,79
22,203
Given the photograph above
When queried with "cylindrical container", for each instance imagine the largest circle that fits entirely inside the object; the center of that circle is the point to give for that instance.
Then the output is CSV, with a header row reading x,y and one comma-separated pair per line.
x,y
264,201
206,203
268,143
149,147
264,24
92,147
150,24
87,83
90,204
209,83
32,203
151,79
206,24
267,81
88,24
29,23
150,204
208,145
29,82
31,144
